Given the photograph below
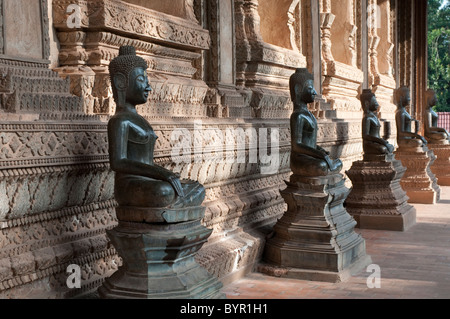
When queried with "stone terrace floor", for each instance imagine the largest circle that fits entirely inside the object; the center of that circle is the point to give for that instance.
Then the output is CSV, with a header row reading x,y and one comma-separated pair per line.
x,y
414,265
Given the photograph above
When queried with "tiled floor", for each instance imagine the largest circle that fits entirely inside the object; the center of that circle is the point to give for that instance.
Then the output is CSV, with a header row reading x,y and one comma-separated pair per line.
x,y
414,264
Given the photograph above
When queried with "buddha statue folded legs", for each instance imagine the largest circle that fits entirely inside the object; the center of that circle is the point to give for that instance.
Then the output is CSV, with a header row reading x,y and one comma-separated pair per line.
x,y
306,165
139,191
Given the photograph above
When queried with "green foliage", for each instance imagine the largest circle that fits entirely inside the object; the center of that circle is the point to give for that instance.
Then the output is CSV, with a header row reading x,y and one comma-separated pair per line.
x,y
439,52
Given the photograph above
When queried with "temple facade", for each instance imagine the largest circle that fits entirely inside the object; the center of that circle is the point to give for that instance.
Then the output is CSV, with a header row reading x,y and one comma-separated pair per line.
x,y
220,106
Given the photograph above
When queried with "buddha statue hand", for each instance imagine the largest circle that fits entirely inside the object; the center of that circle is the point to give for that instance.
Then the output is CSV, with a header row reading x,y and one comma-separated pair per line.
x,y
323,150
425,142
333,165
174,180
390,147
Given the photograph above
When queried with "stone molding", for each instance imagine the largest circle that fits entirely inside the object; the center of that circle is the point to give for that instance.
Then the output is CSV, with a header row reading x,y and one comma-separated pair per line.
x,y
119,16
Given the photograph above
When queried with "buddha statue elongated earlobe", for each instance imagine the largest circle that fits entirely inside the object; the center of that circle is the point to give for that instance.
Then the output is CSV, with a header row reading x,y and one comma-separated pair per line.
x,y
120,84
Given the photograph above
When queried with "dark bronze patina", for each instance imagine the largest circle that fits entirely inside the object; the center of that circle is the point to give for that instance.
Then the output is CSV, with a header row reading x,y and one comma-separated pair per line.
x,y
372,142
307,158
432,132
403,120
139,181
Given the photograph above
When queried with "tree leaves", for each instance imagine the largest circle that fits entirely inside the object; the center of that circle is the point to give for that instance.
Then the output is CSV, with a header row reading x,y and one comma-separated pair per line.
x,y
439,52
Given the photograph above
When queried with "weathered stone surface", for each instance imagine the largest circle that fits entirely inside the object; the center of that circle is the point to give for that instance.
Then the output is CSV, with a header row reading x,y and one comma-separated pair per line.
x,y
158,262
315,238
419,182
377,200
55,182
441,166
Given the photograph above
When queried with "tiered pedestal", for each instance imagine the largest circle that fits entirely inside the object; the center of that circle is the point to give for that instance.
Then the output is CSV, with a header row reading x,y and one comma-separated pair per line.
x,y
419,182
441,166
159,257
315,238
377,200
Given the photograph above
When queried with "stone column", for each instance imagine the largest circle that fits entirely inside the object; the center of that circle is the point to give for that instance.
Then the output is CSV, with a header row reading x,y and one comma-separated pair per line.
x,y
222,98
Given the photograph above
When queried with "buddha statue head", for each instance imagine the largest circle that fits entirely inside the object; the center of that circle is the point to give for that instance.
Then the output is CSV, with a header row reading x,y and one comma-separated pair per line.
x,y
301,86
431,98
129,78
402,96
368,101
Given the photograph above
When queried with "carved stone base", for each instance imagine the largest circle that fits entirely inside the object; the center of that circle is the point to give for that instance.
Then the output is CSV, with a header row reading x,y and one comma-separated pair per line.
x,y
377,200
441,166
315,238
159,263
418,181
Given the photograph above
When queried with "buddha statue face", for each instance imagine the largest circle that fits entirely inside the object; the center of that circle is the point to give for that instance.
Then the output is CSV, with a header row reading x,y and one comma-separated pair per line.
x,y
138,87
301,85
373,104
308,94
403,96
129,78
369,101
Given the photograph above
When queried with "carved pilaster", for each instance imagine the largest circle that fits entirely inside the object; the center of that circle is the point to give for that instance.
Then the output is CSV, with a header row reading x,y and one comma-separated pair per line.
x,y
326,21
222,99
172,47
2,36
45,30
294,24
81,84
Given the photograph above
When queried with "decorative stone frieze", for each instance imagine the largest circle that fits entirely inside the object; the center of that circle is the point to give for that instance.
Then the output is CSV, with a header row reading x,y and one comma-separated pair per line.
x,y
441,166
377,200
419,182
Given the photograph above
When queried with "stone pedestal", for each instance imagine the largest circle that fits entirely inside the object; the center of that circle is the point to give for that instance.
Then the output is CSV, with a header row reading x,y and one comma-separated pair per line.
x,y
441,166
377,200
315,238
159,257
419,182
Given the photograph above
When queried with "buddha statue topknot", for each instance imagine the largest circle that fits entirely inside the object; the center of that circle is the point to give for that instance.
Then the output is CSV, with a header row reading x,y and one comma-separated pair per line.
x,y
139,182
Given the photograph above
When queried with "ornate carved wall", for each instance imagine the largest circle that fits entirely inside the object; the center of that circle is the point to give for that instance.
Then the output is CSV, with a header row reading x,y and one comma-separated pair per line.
x,y
215,67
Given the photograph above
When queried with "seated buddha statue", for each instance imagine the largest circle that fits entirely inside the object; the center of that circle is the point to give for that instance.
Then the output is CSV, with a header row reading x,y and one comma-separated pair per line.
x,y
139,182
372,142
405,137
307,158
433,133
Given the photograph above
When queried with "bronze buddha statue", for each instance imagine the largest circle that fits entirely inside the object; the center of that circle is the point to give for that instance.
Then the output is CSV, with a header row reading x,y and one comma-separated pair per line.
x,y
403,120
307,158
432,132
372,142
139,182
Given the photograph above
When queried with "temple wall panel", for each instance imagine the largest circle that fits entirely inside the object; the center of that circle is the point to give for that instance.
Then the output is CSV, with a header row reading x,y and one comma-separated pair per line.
x,y
219,70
